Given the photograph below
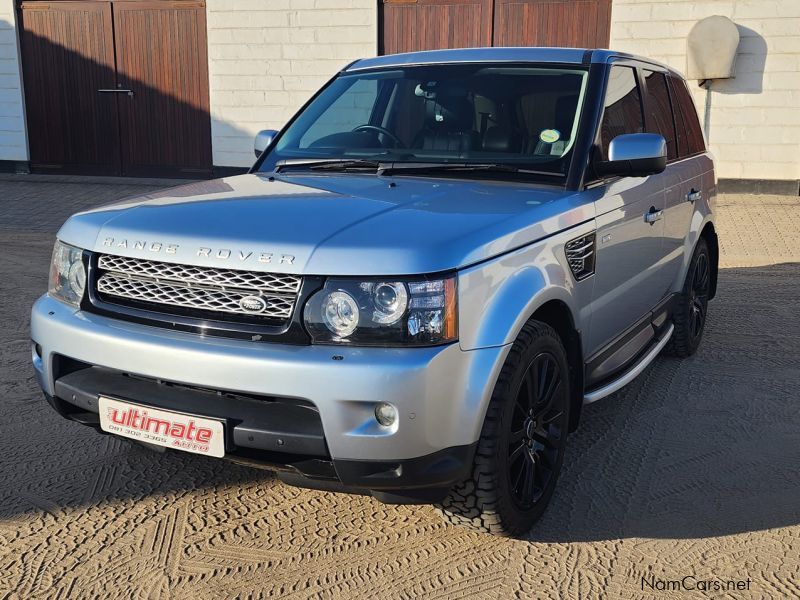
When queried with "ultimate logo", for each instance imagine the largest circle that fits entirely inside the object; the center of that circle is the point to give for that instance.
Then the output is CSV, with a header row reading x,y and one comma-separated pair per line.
x,y
136,420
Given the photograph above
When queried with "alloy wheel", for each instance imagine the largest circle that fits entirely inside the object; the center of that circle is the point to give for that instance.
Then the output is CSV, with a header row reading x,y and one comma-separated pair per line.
x,y
538,430
698,305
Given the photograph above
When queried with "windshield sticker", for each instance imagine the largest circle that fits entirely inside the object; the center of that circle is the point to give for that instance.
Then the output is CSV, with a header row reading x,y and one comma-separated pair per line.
x,y
550,136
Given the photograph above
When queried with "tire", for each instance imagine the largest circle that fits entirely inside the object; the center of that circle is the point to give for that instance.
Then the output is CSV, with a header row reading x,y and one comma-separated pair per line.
x,y
691,311
519,456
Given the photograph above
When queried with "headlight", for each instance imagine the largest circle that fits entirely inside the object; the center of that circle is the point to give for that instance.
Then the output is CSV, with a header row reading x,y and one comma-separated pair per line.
x,y
383,312
67,274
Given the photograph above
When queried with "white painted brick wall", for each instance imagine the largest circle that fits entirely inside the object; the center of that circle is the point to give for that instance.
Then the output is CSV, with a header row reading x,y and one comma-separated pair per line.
x,y
13,143
267,57
755,117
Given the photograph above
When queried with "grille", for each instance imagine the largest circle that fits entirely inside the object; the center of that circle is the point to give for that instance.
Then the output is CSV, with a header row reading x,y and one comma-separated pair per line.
x,y
580,256
202,290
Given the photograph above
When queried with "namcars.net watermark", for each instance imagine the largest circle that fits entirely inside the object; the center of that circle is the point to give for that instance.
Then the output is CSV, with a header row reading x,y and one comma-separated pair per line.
x,y
688,583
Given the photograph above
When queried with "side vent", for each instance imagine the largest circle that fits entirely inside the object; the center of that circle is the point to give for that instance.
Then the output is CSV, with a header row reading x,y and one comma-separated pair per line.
x,y
580,256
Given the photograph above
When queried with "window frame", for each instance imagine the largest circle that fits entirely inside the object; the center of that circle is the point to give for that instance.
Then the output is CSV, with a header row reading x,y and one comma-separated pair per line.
x,y
595,179
645,102
673,80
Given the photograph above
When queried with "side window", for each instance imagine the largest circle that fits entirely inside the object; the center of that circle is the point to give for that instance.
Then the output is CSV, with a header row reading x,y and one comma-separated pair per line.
x,y
690,135
659,111
623,107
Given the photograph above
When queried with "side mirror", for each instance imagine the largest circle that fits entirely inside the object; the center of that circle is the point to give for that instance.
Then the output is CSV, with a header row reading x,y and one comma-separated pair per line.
x,y
635,155
263,140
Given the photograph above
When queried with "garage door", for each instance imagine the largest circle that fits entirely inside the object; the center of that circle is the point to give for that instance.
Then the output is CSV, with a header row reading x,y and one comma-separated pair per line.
x,y
117,88
410,25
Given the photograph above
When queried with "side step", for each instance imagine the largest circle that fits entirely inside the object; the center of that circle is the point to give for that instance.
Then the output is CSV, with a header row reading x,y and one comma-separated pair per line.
x,y
630,374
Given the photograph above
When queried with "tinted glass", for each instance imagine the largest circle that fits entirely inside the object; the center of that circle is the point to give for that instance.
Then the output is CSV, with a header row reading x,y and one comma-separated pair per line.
x,y
689,133
623,107
659,111
524,116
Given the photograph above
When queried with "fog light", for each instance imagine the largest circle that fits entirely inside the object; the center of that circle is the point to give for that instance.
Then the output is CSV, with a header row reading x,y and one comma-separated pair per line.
x,y
386,414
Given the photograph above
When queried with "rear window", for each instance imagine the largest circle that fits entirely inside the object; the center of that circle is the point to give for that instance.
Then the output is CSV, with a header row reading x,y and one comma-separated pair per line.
x,y
659,111
689,134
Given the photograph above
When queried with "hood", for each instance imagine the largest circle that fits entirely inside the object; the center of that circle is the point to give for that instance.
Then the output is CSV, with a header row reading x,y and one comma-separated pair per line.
x,y
332,224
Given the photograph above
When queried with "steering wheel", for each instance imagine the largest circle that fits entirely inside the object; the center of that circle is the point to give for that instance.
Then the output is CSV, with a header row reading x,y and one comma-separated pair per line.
x,y
397,141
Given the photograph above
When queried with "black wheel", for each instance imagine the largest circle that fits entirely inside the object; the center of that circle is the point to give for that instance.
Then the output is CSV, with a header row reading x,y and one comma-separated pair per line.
x,y
522,442
692,305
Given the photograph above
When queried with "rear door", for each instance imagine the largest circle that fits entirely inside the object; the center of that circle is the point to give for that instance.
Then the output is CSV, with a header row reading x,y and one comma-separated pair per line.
x,y
629,279
691,169
678,174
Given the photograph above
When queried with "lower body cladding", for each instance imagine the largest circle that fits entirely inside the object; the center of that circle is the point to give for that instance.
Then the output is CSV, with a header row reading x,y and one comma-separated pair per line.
x,y
307,412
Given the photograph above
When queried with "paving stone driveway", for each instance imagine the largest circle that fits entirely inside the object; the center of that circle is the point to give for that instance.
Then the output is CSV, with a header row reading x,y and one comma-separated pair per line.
x,y
690,470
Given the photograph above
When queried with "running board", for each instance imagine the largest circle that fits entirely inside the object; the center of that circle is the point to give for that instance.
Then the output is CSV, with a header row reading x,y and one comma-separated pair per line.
x,y
631,373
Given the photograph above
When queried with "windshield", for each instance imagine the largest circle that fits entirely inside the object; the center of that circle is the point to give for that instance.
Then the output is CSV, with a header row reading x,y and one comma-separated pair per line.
x,y
519,116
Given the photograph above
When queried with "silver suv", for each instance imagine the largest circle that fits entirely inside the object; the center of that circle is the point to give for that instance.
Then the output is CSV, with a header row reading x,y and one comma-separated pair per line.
x,y
425,275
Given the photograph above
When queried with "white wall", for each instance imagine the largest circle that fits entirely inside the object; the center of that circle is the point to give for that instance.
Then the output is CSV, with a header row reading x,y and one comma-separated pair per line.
x,y
755,118
13,143
267,57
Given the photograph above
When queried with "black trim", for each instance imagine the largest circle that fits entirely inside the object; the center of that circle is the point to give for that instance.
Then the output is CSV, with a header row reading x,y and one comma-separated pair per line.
x,y
265,423
655,320
590,119
277,433
289,332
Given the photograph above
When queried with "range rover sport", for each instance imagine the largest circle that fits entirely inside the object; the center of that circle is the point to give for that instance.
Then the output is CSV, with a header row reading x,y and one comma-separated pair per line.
x,y
423,278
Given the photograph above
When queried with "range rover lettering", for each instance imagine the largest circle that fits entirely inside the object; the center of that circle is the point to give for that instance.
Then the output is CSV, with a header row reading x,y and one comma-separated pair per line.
x,y
424,277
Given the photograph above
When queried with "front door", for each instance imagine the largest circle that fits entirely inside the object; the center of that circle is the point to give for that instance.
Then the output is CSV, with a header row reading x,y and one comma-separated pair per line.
x,y
117,88
630,277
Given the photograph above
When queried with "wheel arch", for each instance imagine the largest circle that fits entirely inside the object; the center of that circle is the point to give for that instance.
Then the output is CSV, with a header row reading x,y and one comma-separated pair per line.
x,y
709,234
558,315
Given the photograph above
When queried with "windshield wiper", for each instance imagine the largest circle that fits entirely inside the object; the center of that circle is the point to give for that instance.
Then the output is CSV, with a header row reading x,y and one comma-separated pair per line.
x,y
327,164
422,167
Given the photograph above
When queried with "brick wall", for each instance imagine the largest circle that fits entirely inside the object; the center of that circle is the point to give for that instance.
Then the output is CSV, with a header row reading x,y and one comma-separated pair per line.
x,y
755,118
13,143
266,58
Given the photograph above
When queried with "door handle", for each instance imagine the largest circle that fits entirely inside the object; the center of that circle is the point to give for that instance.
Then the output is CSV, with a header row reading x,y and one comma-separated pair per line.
x,y
694,195
115,91
653,215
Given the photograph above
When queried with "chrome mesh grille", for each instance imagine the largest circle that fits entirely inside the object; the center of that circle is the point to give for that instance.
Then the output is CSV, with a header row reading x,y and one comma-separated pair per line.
x,y
201,289
187,274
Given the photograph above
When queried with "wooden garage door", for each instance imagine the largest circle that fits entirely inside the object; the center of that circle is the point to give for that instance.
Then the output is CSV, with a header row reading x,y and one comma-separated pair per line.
x,y
117,87
161,57
68,54
410,25
570,23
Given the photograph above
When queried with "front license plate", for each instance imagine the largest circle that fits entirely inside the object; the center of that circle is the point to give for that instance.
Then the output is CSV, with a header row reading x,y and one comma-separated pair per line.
x,y
162,427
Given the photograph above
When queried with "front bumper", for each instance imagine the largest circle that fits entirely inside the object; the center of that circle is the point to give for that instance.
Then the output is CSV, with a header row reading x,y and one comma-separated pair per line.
x,y
440,393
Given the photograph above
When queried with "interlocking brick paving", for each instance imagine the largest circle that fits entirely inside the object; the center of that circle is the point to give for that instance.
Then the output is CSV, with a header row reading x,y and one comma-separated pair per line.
x,y
690,470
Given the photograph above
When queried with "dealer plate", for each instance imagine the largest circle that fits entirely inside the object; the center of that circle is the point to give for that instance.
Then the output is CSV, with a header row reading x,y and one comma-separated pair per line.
x,y
162,427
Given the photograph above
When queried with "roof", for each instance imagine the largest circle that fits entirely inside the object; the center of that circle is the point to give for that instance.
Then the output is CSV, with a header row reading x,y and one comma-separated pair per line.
x,y
478,55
